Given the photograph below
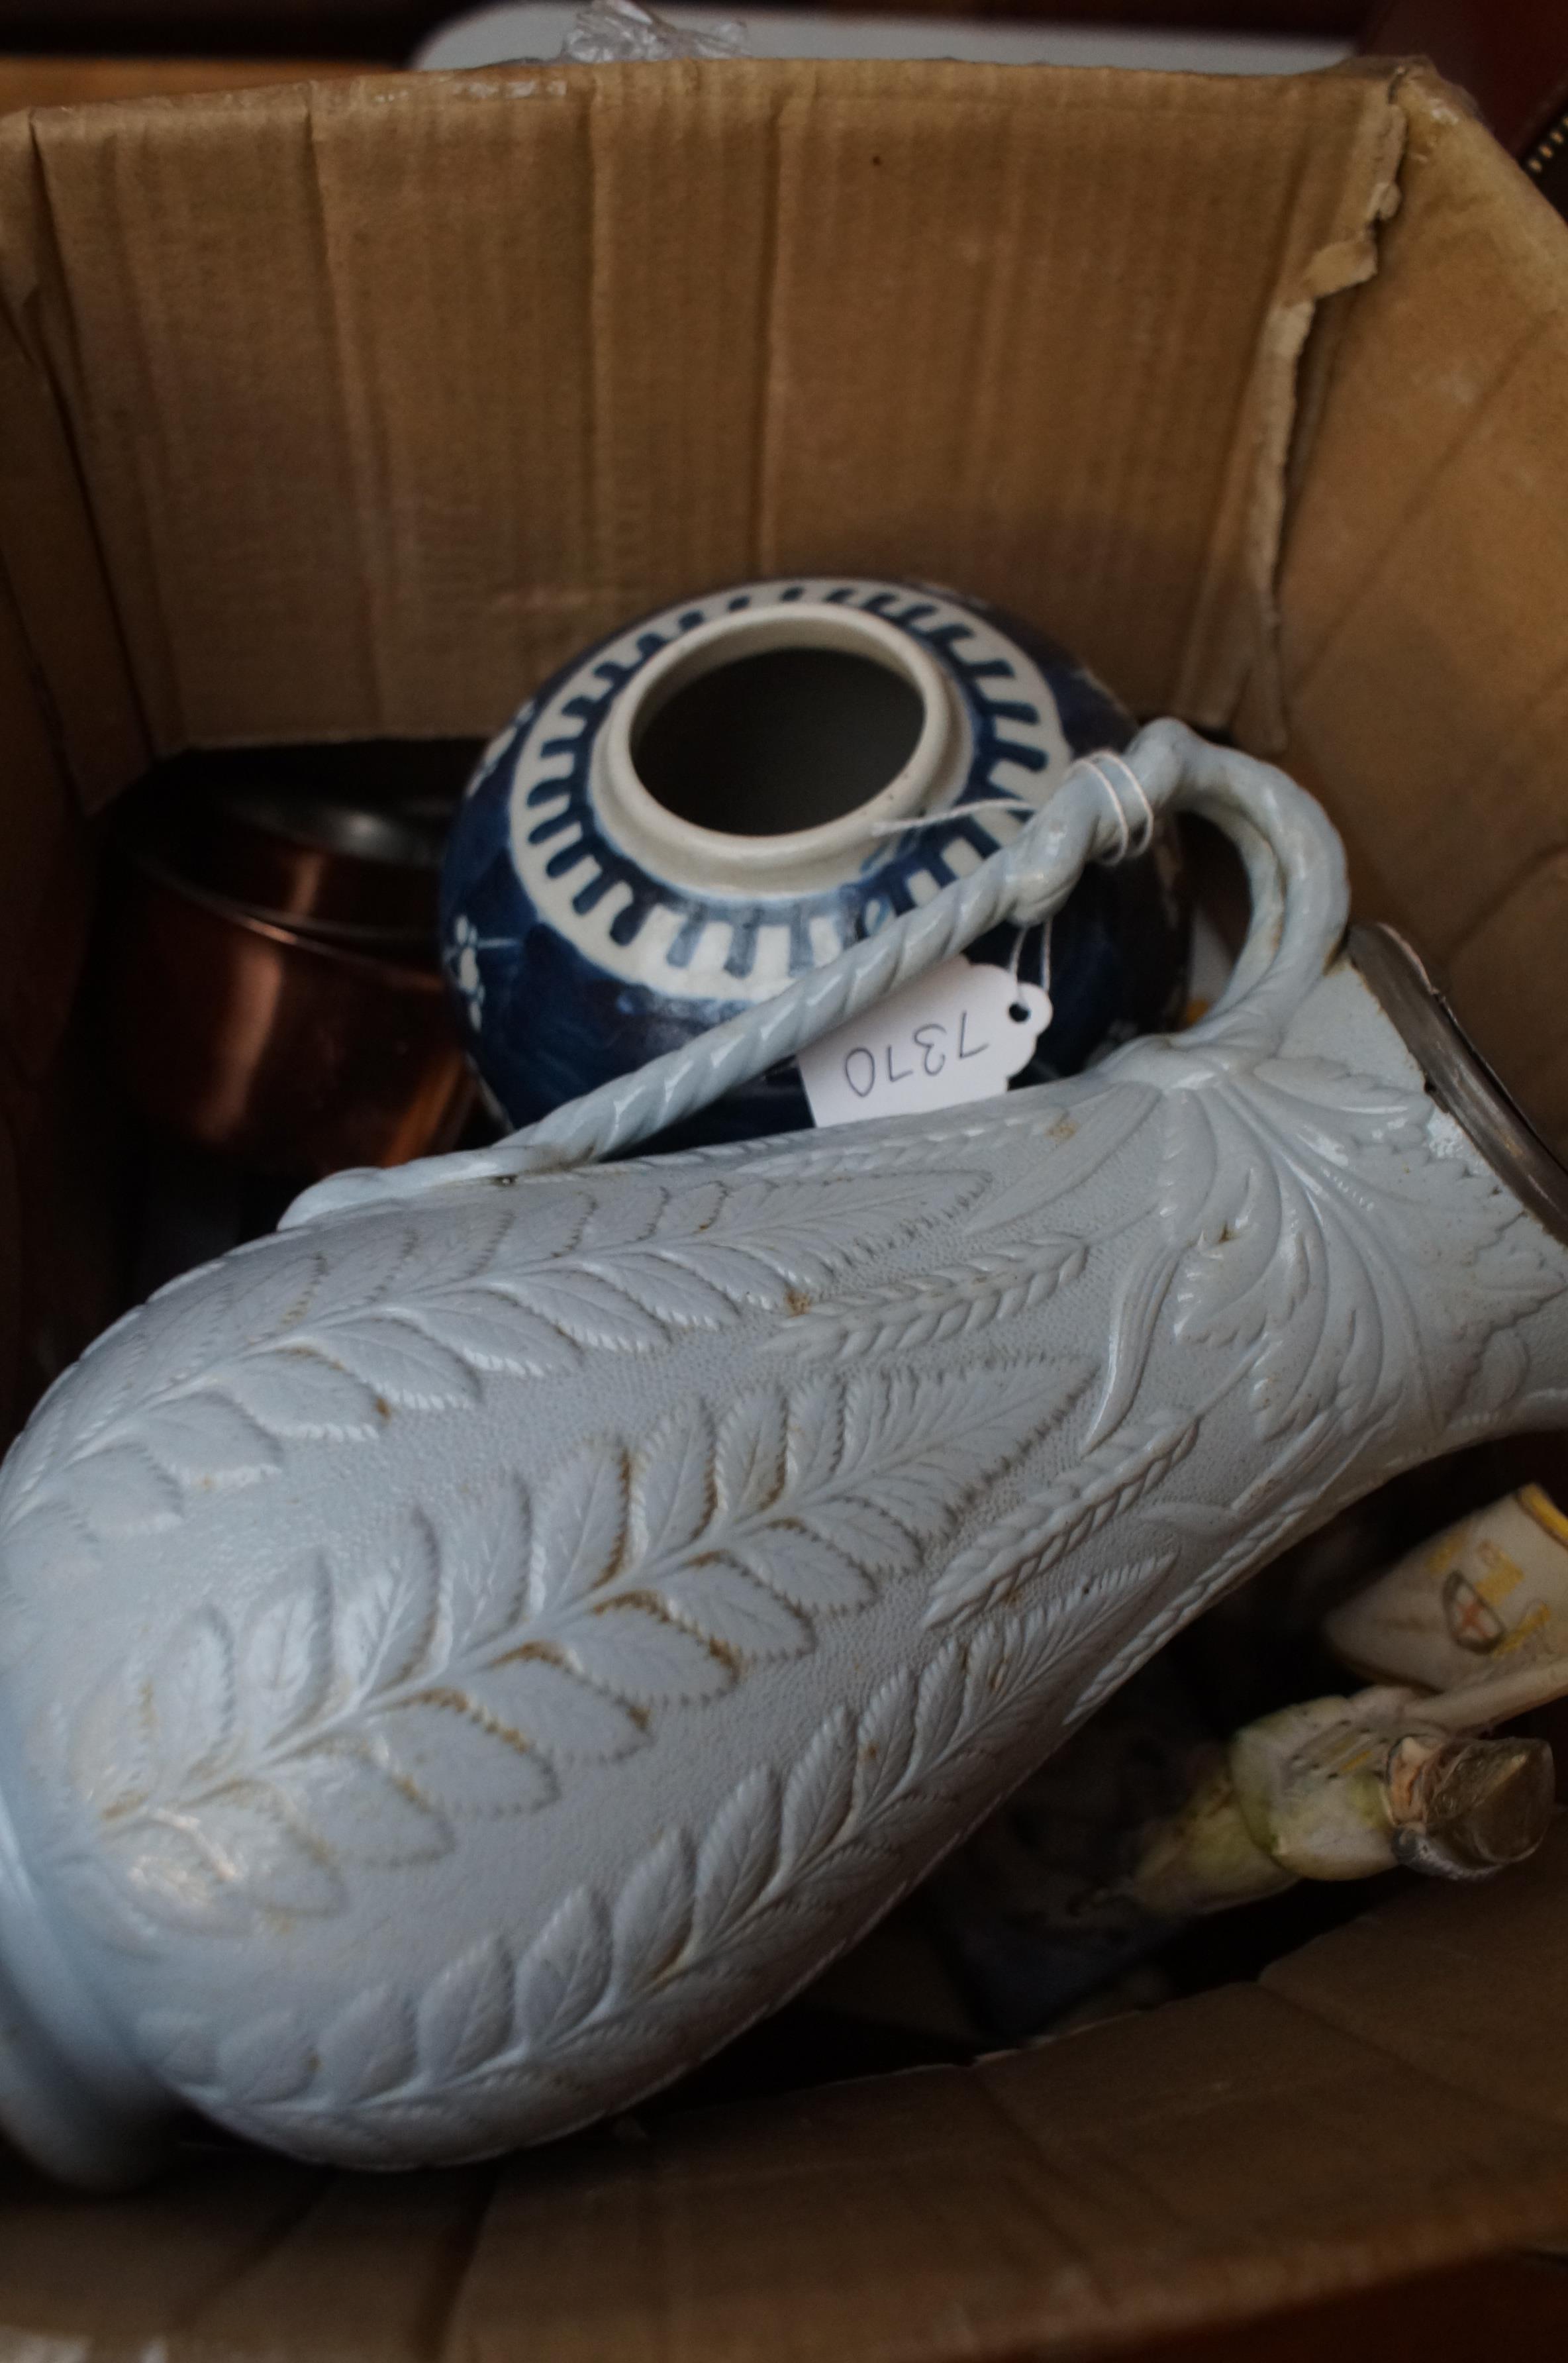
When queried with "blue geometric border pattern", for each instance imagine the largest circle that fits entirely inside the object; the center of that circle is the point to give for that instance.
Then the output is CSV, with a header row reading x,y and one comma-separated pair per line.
x,y
1028,709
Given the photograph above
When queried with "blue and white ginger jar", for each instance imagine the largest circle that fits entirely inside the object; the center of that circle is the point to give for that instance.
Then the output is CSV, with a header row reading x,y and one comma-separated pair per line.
x,y
705,804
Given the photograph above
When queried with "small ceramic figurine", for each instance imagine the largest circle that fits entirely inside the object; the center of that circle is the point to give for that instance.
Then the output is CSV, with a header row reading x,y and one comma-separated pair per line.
x,y
1342,1788
727,794
1479,1612
464,1656
1144,1822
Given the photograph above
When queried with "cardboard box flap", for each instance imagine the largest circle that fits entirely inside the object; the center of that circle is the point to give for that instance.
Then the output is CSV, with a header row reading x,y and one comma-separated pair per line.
x,y
356,423
1386,2100
1425,580
385,409
1473,1996
81,691
1205,2162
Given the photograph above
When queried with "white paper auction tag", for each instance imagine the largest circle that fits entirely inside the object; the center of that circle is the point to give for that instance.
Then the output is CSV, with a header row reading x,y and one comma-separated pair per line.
x,y
956,1033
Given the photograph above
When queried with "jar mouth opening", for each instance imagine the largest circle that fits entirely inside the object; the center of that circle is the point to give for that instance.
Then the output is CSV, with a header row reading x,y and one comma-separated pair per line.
x,y
813,712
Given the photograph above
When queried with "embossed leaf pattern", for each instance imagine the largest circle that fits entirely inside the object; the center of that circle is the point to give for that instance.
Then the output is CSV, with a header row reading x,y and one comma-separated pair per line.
x,y
559,2014
175,1882
465,2013
1274,1198
286,1667
206,1441
367,1807
651,1570
387,1615
942,1305
562,1977
461,1760
253,1853
660,1569
652,1916
580,1528
488,1557
190,1705
123,1490
797,1503
269,2061
818,1793
1017,1266
1068,1139
370,2047
1458,1261
1036,1536
295,1393
286,1341
354,1719
247,1768
738,1853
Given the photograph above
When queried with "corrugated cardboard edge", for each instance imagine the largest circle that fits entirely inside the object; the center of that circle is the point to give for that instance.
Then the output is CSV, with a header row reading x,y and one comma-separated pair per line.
x,y
1211,2161
1424,576
1227,665
54,569
1385,2103
1297,349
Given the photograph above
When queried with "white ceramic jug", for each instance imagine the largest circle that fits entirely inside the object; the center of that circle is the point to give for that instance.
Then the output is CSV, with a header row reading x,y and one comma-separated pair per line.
x,y
464,1656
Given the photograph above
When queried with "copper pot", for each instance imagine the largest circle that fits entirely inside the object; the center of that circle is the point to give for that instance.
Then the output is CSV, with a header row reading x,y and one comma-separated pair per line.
x,y
320,854
277,1046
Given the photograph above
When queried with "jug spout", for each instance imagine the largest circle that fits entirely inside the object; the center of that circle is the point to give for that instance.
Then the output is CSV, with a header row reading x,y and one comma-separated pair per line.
x,y
463,1657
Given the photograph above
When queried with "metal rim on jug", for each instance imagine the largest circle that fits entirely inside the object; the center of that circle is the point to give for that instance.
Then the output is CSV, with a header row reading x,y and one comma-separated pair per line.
x,y
1458,1077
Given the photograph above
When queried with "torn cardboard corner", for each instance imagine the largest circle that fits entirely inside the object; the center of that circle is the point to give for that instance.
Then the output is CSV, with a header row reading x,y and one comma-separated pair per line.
x,y
1422,583
1252,697
355,407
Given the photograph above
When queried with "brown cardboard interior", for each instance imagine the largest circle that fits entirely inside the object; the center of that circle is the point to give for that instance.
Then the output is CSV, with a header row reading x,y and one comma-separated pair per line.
x,y
381,399
1206,2161
351,410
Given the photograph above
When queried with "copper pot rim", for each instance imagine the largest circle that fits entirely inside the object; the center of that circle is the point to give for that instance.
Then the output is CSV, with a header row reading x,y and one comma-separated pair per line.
x,y
382,966
366,835
349,868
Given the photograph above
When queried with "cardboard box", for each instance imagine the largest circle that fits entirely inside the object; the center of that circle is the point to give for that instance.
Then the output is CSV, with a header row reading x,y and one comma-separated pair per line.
x,y
349,410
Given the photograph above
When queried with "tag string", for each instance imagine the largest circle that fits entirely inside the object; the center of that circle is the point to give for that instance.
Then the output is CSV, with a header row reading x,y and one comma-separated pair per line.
x,y
1126,849
1105,809
952,816
1133,838
1131,842
1007,889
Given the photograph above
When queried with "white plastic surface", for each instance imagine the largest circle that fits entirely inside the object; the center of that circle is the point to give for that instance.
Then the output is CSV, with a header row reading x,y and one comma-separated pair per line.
x,y
540,29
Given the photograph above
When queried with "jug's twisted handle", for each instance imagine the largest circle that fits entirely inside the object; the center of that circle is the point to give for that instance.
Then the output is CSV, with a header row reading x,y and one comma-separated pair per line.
x,y
1296,868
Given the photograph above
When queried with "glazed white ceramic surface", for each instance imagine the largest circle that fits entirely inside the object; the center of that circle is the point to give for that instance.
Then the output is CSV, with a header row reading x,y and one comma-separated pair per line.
x,y
464,1656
